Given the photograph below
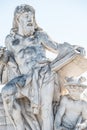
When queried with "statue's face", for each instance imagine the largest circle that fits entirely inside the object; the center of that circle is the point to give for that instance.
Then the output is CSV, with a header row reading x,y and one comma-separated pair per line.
x,y
75,91
26,23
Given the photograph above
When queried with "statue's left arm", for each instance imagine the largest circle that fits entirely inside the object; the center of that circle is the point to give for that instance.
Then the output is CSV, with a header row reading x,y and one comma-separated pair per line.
x,y
47,42
57,48
83,125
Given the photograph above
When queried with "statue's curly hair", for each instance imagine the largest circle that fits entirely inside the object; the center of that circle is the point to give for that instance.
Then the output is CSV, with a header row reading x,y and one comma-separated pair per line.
x,y
20,10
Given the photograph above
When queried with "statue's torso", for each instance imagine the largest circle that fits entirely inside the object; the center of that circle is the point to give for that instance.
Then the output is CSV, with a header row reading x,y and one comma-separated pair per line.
x,y
27,51
72,114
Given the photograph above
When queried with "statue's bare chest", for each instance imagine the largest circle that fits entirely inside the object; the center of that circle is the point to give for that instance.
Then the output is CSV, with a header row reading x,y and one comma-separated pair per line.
x,y
22,48
21,43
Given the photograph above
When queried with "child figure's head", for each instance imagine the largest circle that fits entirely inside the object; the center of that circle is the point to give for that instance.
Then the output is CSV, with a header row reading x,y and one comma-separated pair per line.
x,y
75,88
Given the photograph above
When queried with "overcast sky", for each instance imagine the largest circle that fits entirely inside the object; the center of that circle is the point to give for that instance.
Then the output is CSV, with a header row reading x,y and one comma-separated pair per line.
x,y
63,20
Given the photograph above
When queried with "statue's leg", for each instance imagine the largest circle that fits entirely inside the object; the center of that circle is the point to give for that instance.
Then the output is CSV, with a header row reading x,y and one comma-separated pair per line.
x,y
46,105
13,111
12,108
8,110
17,116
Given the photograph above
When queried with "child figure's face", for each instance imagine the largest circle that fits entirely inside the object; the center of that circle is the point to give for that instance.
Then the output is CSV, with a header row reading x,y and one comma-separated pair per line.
x,y
75,91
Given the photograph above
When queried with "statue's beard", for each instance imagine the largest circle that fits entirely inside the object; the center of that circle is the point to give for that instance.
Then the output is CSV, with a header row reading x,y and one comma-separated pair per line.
x,y
29,30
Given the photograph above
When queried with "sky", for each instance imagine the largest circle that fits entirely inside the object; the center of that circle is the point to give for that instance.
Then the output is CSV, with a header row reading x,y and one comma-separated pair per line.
x,y
63,20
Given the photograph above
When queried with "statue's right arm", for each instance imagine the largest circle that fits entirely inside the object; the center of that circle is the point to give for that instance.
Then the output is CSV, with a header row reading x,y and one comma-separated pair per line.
x,y
5,58
8,42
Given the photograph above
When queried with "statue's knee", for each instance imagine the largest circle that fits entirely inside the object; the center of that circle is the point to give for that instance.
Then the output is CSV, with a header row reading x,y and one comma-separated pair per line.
x,y
8,99
8,93
8,103
4,93
5,98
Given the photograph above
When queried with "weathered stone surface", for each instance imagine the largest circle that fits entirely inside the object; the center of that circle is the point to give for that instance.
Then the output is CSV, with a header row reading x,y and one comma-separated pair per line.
x,y
32,94
5,124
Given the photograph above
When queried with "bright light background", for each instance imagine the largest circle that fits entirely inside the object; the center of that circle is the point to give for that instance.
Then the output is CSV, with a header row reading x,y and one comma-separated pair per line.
x,y
63,20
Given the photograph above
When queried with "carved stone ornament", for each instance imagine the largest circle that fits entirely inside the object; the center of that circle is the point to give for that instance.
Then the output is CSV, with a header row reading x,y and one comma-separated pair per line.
x,y
37,95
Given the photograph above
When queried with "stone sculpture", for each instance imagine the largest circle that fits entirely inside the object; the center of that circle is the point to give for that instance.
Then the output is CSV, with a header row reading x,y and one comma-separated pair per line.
x,y
71,113
34,85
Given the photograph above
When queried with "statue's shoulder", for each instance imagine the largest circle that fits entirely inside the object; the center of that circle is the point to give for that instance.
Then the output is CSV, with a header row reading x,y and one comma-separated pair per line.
x,y
9,42
8,39
40,33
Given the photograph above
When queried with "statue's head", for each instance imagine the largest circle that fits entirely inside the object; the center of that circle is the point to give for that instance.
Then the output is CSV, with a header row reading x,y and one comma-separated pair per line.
x,y
22,9
75,87
24,19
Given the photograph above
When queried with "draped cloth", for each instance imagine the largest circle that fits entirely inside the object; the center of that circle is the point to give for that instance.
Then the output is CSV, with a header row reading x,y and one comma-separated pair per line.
x,y
38,78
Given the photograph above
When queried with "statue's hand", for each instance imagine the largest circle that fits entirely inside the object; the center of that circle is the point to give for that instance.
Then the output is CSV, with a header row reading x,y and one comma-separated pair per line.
x,y
80,126
81,50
